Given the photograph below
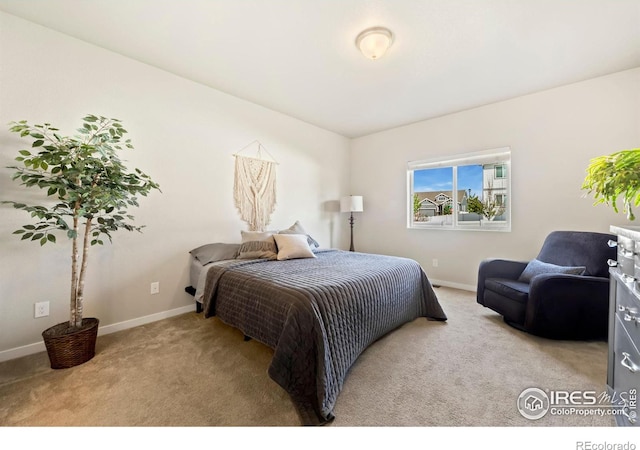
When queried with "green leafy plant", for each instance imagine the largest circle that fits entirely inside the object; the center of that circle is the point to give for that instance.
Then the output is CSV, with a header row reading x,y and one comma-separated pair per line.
x,y
474,205
416,207
89,187
489,209
616,175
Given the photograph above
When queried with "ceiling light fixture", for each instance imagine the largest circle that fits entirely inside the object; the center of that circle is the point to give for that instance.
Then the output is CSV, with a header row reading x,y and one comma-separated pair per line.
x,y
374,42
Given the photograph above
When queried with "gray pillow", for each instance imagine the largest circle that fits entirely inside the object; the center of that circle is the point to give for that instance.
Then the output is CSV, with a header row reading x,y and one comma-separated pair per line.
x,y
219,251
257,245
297,228
536,267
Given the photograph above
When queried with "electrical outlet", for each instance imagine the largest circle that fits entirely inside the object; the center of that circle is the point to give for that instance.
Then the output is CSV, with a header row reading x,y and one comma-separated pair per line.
x,y
41,309
435,262
155,287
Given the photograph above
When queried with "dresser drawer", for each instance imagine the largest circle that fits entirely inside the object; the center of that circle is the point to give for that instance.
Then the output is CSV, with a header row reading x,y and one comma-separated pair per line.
x,y
626,263
628,313
626,376
625,243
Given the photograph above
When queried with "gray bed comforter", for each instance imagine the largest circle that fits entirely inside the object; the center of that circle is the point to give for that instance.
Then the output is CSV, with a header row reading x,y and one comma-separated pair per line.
x,y
318,314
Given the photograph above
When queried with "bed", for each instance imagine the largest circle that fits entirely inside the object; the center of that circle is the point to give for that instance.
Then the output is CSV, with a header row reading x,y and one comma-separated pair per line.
x,y
318,313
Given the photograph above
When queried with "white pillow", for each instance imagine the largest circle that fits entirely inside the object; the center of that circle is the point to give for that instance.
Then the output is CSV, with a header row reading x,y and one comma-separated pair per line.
x,y
292,246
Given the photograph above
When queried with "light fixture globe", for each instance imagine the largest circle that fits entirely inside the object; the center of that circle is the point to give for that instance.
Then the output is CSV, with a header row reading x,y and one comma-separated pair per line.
x,y
374,42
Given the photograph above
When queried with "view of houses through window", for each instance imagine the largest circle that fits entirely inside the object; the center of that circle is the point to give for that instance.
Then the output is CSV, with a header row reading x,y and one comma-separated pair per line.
x,y
468,191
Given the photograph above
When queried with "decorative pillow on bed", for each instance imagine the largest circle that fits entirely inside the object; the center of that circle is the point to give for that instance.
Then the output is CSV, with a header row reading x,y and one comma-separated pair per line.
x,y
297,228
257,245
536,267
219,251
293,246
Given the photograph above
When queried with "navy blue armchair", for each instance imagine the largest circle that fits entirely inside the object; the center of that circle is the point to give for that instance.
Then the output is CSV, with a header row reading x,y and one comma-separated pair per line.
x,y
562,294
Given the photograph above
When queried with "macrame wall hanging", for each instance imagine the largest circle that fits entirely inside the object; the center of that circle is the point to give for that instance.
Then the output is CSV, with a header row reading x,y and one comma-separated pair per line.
x,y
254,187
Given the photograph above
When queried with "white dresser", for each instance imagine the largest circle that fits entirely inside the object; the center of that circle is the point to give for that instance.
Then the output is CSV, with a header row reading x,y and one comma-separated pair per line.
x,y
623,374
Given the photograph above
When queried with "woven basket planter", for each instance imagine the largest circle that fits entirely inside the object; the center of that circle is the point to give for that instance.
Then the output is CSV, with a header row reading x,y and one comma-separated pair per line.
x,y
67,348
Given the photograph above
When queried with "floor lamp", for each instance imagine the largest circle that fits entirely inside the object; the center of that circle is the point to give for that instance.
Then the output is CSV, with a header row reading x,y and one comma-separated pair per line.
x,y
351,204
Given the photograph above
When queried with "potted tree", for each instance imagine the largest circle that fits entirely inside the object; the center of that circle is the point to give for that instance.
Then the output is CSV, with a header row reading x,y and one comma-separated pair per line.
x,y
615,175
89,190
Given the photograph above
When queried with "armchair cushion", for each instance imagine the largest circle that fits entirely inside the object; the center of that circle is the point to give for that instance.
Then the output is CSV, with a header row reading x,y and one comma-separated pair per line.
x,y
497,268
537,267
507,296
515,290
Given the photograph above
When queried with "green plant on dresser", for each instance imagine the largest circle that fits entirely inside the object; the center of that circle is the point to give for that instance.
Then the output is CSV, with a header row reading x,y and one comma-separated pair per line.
x,y
616,175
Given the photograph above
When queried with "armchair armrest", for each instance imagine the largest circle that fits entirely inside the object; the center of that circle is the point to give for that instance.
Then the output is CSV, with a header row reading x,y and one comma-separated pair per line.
x,y
497,268
564,306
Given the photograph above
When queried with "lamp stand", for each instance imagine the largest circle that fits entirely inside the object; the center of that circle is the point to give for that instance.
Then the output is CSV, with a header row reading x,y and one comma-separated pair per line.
x,y
351,223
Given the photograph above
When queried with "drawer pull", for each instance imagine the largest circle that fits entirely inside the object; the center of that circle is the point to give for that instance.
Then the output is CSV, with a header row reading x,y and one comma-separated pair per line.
x,y
628,363
629,309
612,263
612,243
629,318
626,253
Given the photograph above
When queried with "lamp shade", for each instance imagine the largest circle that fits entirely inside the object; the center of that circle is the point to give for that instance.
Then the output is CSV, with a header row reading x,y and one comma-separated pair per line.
x,y
352,203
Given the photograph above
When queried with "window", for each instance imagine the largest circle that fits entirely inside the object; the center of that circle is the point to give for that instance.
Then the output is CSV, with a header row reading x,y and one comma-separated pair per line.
x,y
464,192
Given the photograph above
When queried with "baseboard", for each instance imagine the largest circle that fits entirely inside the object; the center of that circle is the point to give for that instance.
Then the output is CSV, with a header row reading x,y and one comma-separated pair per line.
x,y
464,287
38,347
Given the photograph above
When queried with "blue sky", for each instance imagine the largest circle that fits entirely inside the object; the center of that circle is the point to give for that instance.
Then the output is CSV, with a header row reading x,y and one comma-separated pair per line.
x,y
441,179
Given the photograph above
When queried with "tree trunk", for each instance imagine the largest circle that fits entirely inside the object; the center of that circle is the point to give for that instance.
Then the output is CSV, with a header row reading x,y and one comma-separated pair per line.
x,y
74,271
83,269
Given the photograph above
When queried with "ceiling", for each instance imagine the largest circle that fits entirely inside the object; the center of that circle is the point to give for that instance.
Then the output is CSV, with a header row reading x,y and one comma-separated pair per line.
x,y
299,57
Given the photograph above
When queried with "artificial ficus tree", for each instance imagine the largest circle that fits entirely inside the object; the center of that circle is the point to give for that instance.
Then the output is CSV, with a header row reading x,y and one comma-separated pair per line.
x,y
88,187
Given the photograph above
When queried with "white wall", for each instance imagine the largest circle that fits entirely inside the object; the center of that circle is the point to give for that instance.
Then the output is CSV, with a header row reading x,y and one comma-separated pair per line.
x,y
185,135
552,135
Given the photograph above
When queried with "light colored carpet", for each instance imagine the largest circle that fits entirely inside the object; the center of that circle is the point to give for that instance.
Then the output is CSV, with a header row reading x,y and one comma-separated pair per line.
x,y
191,371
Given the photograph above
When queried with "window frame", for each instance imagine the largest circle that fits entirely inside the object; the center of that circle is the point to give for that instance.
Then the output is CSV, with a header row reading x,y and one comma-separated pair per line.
x,y
496,157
